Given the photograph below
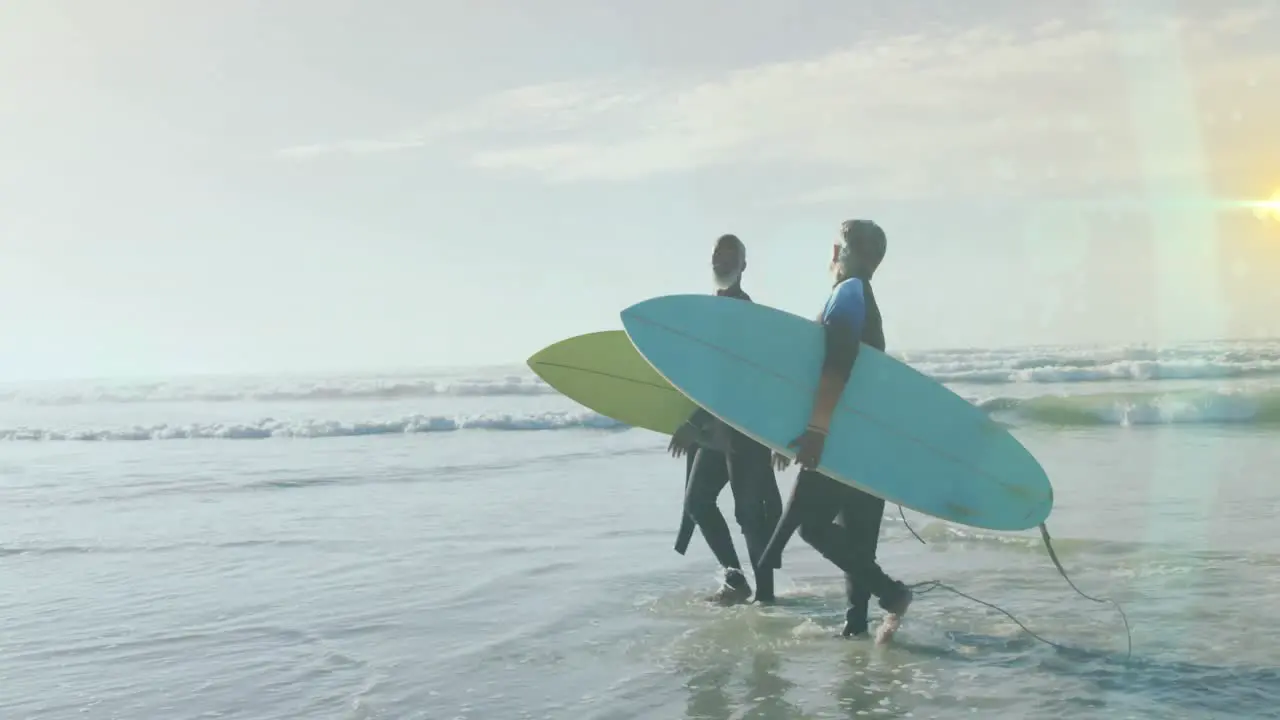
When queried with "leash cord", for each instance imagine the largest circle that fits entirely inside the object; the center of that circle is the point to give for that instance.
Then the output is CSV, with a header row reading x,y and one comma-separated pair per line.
x,y
930,585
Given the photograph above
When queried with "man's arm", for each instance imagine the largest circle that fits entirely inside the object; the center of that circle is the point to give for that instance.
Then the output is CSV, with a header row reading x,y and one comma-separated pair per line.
x,y
837,364
842,324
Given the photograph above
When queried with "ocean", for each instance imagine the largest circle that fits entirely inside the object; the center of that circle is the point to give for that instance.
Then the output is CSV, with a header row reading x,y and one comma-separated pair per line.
x,y
469,544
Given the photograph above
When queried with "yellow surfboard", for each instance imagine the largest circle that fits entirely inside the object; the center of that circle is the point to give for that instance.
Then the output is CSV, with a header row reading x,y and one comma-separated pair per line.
x,y
605,373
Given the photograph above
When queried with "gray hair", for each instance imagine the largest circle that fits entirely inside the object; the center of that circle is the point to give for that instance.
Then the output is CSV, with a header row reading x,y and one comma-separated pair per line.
x,y
867,238
737,243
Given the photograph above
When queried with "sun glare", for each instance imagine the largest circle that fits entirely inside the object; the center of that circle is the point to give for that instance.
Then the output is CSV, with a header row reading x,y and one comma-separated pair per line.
x,y
1268,208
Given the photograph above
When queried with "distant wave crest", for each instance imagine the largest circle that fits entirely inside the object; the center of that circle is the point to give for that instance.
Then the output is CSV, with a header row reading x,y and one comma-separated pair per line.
x,y
1255,407
1067,365
271,428
230,392
1249,408
1220,361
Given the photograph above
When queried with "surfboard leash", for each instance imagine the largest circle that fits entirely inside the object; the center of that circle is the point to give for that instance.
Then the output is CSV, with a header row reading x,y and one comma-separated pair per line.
x,y
1048,545
930,585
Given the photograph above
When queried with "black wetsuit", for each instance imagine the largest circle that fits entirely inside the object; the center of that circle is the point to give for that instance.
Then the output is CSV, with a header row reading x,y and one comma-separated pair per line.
x,y
748,471
841,522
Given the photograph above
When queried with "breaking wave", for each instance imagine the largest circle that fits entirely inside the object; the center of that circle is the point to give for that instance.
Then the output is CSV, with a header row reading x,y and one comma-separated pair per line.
x,y
230,391
1219,361
1240,407
1259,408
1205,361
271,428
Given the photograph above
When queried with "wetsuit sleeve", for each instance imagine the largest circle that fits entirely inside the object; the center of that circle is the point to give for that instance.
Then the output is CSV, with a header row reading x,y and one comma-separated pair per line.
x,y
843,321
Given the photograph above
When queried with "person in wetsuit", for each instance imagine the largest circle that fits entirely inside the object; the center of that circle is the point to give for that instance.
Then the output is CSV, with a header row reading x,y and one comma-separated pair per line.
x,y
851,316
718,455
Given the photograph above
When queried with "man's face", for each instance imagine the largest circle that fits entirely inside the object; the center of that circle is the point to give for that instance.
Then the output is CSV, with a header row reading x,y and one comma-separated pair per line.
x,y
835,265
726,264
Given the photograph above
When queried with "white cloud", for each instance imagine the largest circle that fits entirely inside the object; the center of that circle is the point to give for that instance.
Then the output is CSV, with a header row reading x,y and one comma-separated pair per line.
x,y
985,109
355,147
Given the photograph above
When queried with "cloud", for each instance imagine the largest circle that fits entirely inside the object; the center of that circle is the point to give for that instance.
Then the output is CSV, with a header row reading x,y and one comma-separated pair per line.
x,y
989,108
355,147
536,109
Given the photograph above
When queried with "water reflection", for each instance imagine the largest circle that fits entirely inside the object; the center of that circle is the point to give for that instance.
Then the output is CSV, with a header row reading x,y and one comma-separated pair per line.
x,y
714,693
767,690
861,689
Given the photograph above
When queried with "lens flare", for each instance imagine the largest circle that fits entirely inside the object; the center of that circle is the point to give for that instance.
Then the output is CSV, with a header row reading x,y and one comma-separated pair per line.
x,y
1268,208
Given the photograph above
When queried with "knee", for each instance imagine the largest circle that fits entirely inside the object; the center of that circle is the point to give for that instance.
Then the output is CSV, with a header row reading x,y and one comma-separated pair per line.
x,y
699,506
810,533
751,517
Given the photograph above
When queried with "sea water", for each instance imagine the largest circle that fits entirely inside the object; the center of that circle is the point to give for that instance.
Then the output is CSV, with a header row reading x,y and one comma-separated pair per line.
x,y
469,544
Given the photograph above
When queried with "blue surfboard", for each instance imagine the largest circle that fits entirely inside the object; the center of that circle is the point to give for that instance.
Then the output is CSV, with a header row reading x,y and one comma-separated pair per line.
x,y
896,433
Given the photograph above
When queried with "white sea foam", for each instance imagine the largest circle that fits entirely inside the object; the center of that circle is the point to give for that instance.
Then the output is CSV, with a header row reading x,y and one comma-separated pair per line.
x,y
272,428
1035,386
273,390
1206,361
1202,361
1259,407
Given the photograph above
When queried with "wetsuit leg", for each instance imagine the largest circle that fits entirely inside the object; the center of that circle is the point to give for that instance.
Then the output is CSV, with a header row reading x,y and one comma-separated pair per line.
x,y
751,481
708,474
810,498
771,499
860,517
855,556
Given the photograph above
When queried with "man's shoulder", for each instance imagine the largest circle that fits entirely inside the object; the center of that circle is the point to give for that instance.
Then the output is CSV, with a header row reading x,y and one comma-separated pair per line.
x,y
848,291
853,286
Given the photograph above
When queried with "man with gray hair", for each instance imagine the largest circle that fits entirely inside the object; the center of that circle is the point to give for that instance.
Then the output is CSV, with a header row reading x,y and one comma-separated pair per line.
x,y
851,316
718,455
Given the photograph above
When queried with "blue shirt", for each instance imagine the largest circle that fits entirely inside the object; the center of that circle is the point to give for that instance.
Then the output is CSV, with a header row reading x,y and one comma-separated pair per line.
x,y
847,306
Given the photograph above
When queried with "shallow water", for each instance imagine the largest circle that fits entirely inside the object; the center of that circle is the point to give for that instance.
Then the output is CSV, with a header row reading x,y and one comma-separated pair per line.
x,y
500,574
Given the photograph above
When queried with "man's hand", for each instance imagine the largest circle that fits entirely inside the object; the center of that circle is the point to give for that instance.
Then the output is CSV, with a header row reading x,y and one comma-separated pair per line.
x,y
781,462
809,447
683,441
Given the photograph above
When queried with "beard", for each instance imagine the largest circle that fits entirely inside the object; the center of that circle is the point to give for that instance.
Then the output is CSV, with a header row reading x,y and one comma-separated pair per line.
x,y
727,280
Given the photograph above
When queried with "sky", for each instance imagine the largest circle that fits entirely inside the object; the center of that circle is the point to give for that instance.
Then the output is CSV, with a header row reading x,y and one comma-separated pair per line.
x,y
328,185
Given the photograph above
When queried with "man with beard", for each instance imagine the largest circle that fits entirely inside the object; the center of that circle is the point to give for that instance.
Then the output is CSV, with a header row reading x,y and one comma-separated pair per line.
x,y
851,316
717,456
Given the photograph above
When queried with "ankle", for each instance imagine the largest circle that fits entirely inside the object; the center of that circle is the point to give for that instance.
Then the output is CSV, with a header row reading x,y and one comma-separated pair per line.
x,y
852,629
733,577
764,586
896,601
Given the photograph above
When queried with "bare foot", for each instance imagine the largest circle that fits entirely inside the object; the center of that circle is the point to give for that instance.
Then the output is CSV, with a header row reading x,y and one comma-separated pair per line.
x,y
885,632
893,620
